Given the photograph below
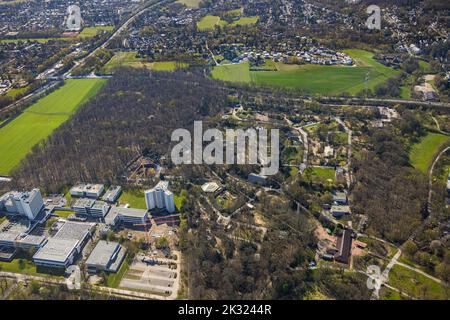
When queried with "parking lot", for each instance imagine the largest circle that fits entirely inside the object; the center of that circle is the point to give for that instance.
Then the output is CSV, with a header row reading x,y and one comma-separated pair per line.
x,y
153,277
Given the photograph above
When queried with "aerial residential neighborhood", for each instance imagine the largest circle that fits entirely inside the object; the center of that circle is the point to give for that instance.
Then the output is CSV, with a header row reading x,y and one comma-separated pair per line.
x,y
212,150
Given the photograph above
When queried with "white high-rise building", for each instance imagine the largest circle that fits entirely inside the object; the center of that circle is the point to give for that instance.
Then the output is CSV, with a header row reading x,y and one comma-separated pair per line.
x,y
27,204
160,197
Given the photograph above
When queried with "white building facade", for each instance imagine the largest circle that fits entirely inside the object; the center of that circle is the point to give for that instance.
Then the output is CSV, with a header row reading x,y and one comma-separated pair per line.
x,y
160,197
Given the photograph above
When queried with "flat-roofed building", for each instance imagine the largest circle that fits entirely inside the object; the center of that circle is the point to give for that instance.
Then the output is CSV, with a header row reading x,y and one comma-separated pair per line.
x,y
210,187
59,253
160,197
93,191
106,256
339,211
90,208
132,216
340,198
61,250
112,194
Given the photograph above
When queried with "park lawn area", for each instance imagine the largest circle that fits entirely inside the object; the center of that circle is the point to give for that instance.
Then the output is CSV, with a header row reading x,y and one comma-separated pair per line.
x,y
389,294
190,3
314,79
12,93
15,267
209,22
423,153
323,175
245,21
37,122
63,214
233,72
129,59
89,32
167,65
135,198
113,279
415,284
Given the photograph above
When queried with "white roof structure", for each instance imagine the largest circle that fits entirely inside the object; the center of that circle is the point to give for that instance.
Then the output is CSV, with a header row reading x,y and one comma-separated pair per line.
x,y
210,187
56,250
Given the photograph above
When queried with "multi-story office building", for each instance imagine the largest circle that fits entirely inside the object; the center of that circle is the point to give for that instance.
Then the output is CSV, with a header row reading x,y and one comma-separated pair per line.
x,y
27,204
160,197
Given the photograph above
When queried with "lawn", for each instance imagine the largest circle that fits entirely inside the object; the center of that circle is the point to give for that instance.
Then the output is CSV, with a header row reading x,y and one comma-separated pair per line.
x,y
114,279
129,59
245,21
190,3
180,199
16,91
415,284
315,79
89,32
423,153
15,266
63,214
135,198
37,122
209,22
232,72
320,175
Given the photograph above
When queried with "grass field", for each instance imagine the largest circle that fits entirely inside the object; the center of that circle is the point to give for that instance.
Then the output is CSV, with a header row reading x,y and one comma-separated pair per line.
x,y
244,21
415,284
15,266
319,175
16,91
190,3
209,22
314,79
233,73
180,199
63,214
37,122
422,154
135,198
114,279
129,59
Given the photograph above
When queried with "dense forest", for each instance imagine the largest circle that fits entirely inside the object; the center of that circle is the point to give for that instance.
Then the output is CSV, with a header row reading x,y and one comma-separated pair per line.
x,y
389,190
133,114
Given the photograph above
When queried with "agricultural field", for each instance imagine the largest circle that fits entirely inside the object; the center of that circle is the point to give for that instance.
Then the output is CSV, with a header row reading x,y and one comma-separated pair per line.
x,y
422,153
36,123
129,59
314,79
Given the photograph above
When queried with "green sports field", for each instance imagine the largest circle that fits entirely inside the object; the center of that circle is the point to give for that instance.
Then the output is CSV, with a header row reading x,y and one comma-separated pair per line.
x,y
422,154
314,79
37,122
